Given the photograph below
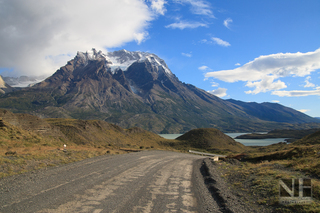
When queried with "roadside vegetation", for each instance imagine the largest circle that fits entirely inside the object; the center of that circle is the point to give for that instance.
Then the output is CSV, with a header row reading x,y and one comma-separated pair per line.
x,y
257,176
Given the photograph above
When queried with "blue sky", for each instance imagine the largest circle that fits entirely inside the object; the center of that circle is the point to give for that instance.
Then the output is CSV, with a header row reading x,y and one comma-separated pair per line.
x,y
253,51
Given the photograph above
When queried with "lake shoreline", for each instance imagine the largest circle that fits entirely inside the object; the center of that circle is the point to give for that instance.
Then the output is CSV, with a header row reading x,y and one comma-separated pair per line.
x,y
289,135
246,142
262,138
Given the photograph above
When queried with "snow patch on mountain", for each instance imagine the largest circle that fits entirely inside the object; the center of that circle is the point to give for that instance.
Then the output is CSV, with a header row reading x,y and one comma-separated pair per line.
x,y
119,65
91,55
155,62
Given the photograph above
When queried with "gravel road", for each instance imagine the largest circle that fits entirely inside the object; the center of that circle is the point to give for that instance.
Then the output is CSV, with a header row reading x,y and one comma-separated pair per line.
x,y
149,181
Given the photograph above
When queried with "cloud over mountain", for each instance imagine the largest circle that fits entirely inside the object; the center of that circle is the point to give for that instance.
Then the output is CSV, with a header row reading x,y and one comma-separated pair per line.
x,y
48,33
37,37
220,92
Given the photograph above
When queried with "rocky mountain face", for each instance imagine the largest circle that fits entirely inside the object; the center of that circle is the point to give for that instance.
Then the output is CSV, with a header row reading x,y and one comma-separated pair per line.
x,y
138,89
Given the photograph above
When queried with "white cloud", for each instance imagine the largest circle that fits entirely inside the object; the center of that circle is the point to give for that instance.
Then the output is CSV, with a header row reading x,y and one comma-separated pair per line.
x,y
259,72
296,93
214,84
220,42
140,37
37,37
237,64
304,110
189,55
220,92
308,84
198,7
227,22
204,41
265,85
185,24
275,101
204,68
158,6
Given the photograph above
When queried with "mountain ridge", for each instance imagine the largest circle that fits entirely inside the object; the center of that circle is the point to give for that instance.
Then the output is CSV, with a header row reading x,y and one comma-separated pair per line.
x,y
138,89
280,113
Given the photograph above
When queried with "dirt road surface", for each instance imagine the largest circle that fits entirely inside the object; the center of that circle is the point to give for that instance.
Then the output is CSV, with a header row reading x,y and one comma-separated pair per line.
x,y
148,181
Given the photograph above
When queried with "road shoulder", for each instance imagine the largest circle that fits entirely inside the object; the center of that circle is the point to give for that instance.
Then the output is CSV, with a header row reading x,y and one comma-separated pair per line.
x,y
226,197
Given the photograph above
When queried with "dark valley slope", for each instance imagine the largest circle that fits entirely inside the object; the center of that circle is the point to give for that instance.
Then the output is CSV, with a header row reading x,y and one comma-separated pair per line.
x,y
138,89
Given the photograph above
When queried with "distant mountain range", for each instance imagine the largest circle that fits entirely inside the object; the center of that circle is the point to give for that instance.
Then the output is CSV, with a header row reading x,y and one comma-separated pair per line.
x,y
138,89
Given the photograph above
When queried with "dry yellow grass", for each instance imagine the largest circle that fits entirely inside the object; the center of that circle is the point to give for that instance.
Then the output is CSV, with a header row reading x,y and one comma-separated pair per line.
x,y
260,183
260,174
31,158
23,150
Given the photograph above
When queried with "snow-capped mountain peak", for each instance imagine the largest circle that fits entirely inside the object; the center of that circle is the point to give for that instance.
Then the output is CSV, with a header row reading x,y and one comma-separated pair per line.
x,y
123,59
91,55
114,61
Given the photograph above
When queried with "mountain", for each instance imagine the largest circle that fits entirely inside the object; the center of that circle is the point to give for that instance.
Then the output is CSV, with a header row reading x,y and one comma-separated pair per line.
x,y
272,112
138,89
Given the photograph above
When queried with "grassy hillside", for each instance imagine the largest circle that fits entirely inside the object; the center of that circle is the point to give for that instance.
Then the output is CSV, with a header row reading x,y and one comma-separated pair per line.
x,y
101,133
309,139
28,142
211,140
257,177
